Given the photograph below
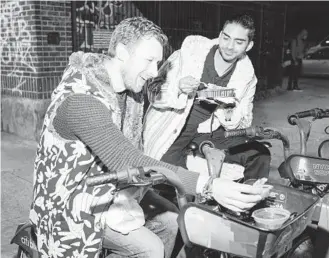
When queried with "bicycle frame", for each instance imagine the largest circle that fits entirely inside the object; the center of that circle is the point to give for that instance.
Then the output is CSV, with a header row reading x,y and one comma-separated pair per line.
x,y
302,163
321,215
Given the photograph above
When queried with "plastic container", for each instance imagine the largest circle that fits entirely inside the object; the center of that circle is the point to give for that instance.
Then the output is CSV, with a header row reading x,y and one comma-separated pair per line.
x,y
270,218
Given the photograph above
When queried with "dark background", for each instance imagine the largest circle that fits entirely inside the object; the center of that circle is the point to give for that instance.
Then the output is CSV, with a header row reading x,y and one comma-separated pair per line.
x,y
277,22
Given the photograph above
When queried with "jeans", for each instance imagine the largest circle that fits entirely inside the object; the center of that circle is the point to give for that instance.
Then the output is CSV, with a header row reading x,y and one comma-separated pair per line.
x,y
294,73
156,239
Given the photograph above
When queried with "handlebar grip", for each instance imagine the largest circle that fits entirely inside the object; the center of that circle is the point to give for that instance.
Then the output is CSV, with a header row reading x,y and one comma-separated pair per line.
x,y
234,133
324,114
102,179
307,113
250,131
311,112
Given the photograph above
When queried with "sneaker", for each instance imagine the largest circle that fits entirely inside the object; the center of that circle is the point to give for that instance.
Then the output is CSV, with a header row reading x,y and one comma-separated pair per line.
x,y
298,89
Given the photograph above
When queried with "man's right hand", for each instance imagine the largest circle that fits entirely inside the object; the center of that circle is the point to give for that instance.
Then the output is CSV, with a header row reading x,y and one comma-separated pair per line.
x,y
188,84
236,196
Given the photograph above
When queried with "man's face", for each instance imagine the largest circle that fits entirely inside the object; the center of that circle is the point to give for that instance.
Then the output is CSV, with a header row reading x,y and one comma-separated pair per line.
x,y
234,42
304,34
142,63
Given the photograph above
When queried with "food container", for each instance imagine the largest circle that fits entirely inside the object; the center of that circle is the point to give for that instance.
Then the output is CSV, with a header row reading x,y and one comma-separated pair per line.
x,y
270,218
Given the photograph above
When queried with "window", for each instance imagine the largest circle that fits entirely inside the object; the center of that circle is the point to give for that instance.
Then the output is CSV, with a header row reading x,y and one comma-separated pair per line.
x,y
321,54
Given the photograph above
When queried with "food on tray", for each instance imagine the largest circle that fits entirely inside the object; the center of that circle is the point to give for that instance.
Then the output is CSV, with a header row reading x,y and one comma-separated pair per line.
x,y
215,91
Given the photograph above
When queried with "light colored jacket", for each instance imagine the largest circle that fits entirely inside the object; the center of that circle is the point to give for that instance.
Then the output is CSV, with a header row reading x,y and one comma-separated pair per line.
x,y
163,125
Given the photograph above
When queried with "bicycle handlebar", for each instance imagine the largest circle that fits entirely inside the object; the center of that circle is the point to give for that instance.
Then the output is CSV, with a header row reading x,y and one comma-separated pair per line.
x,y
142,176
106,178
250,132
123,176
261,133
316,113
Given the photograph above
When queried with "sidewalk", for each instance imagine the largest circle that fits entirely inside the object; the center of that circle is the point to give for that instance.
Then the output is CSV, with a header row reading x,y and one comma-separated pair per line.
x,y
273,112
17,155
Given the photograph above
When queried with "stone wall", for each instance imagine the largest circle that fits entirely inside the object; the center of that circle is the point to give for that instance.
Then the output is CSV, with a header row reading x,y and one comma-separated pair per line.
x,y
23,116
36,40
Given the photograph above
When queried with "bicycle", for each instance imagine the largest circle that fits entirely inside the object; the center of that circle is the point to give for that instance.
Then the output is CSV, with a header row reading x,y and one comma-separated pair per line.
x,y
239,237
25,236
299,171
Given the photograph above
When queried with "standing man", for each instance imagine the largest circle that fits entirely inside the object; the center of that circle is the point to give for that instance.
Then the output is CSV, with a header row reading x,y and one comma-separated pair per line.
x,y
177,117
297,48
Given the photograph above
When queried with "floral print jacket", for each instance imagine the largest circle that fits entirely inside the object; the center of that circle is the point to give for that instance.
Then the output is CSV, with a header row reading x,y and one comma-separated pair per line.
x,y
66,213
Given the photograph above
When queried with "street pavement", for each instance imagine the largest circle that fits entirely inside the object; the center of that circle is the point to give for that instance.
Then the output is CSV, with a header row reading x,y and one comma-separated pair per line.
x,y
17,155
273,112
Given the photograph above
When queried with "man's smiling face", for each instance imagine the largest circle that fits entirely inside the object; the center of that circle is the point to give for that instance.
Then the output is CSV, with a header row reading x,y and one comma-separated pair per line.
x,y
234,42
142,63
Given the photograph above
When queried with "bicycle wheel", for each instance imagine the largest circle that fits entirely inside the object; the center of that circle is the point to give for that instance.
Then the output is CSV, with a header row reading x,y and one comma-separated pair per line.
x,y
302,247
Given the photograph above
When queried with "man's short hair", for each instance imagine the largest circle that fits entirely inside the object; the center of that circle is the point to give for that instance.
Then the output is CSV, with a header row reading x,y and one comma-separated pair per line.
x,y
246,21
130,30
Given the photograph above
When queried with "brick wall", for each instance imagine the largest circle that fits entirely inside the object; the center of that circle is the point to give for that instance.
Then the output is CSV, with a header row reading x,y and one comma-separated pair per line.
x,y
32,65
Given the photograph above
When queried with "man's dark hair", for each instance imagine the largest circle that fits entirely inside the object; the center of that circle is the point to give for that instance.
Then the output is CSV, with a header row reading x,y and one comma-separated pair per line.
x,y
246,21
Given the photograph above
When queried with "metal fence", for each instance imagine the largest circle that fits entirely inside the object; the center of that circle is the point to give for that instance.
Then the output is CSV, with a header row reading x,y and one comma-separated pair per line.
x,y
94,21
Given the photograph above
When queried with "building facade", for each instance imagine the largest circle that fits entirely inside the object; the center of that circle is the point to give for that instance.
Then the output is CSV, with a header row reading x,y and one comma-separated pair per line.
x,y
37,38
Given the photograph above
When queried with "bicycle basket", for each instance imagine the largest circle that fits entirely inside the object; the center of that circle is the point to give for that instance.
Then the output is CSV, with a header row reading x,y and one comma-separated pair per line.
x,y
201,225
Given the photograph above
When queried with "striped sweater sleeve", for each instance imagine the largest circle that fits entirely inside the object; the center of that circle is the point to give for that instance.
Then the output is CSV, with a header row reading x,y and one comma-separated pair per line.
x,y
85,118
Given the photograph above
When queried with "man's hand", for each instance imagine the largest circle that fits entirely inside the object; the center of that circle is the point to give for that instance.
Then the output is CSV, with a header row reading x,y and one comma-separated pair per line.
x,y
188,84
236,196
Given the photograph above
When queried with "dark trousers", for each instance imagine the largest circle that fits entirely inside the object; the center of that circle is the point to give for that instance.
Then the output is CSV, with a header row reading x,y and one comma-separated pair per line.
x,y
294,73
253,156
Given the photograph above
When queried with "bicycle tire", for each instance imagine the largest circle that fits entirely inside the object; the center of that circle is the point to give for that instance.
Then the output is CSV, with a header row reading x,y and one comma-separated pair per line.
x,y
302,247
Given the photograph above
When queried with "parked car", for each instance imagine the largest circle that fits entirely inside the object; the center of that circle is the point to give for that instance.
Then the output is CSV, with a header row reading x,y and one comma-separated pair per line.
x,y
322,44
316,62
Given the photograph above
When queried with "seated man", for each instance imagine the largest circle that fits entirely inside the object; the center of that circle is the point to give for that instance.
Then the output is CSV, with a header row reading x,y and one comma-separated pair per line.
x,y
93,125
176,117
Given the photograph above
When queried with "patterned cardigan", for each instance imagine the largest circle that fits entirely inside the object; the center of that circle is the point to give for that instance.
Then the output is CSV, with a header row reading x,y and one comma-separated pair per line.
x,y
69,216
166,117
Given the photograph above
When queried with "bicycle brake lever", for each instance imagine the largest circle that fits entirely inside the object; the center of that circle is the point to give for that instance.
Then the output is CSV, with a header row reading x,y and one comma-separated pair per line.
x,y
140,184
139,181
